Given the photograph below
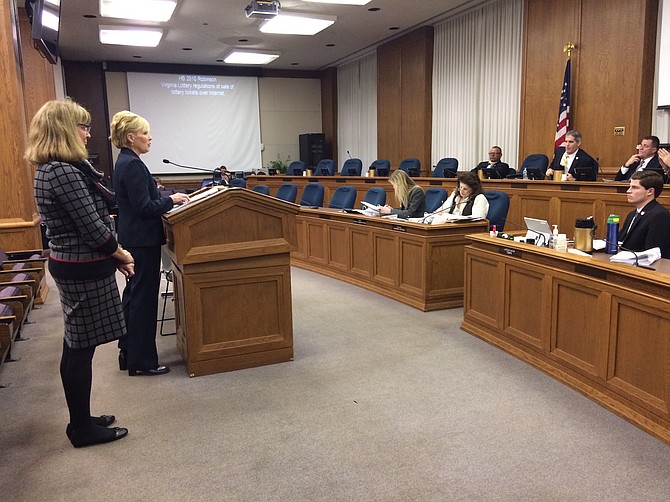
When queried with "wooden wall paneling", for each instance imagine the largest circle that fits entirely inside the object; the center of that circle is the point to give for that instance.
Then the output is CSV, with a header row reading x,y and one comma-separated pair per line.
x,y
523,313
549,26
614,86
19,222
388,103
483,299
329,112
361,257
86,84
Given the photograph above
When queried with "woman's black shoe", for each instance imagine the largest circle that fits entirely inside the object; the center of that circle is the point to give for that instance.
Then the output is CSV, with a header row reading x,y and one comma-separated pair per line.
x,y
94,434
103,420
123,365
161,370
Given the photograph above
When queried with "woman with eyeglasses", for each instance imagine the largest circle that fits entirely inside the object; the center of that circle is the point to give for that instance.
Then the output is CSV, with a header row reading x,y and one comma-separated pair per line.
x,y
467,200
84,256
140,229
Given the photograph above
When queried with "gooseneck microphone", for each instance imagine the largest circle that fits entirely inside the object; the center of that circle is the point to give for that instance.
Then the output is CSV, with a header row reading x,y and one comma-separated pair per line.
x,y
201,169
349,154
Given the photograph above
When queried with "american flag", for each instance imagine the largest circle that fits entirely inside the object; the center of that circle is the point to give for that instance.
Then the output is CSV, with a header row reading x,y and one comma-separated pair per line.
x,y
563,123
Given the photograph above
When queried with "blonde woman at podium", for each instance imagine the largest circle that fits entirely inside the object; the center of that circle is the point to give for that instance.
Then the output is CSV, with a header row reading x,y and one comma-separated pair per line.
x,y
140,230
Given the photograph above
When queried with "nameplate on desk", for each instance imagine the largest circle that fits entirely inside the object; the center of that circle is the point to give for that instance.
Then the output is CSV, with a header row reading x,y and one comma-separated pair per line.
x,y
340,180
399,228
510,252
570,187
360,222
324,216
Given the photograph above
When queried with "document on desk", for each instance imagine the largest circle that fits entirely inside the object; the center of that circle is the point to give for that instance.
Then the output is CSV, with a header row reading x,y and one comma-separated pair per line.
x,y
643,258
196,196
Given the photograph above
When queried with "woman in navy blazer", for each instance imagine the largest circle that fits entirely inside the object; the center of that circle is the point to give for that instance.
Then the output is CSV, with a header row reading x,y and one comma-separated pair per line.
x,y
140,229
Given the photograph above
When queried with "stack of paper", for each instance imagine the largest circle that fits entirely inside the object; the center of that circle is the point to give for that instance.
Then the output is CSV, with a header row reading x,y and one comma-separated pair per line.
x,y
644,258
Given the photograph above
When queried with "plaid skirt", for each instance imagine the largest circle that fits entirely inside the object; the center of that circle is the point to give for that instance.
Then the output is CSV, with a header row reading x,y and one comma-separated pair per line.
x,y
92,311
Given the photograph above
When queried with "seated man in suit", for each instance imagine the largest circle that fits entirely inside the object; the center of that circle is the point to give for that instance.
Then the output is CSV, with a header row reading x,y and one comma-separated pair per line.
x,y
570,156
495,154
649,225
645,158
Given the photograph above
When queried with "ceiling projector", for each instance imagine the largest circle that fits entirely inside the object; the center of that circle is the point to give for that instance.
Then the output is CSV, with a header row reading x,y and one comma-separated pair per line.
x,y
264,9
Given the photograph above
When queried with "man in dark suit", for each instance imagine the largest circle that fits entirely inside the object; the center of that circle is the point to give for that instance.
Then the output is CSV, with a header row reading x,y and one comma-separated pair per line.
x,y
571,156
501,168
649,225
646,158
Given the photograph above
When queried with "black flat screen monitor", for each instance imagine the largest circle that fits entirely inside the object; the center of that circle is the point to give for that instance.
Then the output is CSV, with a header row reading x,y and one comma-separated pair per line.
x,y
382,171
534,173
272,172
297,171
450,173
324,171
490,173
413,172
584,174
351,171
45,18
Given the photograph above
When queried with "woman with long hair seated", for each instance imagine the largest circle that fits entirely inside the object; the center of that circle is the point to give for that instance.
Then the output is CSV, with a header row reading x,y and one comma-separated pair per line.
x,y
467,200
411,197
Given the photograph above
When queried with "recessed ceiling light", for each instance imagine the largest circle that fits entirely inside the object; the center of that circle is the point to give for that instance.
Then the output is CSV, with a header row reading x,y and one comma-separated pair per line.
x,y
296,24
343,2
127,35
250,57
139,10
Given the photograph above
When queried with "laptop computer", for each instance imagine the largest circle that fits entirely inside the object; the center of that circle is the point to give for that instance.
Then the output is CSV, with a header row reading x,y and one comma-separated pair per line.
x,y
538,231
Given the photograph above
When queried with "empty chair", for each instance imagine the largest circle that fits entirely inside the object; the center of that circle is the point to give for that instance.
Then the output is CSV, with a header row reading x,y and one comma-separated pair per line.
x,y
435,197
376,196
264,189
238,182
352,167
446,168
534,166
287,192
411,166
343,198
296,168
382,167
498,208
209,182
312,195
325,167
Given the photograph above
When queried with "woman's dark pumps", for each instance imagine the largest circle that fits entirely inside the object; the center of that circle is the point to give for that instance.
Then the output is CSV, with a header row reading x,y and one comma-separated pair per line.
x,y
123,365
94,434
103,420
161,370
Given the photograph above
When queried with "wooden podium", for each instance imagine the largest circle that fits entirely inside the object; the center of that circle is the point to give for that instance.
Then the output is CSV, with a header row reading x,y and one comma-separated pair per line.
x,y
230,255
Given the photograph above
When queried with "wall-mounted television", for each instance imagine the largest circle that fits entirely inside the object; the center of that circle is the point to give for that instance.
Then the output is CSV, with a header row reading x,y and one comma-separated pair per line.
x,y
44,16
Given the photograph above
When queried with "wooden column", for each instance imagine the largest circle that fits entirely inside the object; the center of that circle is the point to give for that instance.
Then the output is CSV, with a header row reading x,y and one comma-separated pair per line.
x,y
26,82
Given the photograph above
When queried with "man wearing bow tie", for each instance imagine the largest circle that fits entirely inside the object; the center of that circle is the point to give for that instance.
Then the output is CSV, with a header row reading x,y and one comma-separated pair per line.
x,y
649,225
646,158
569,157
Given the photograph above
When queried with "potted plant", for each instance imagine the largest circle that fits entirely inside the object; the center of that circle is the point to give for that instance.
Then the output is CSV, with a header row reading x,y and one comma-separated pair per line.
x,y
280,165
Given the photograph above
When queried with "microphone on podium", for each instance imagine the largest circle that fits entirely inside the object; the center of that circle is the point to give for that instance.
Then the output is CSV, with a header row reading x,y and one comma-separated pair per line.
x,y
216,173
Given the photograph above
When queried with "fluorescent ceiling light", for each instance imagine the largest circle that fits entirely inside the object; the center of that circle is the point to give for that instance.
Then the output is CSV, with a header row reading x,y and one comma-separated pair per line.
x,y
250,57
296,24
126,35
343,2
139,10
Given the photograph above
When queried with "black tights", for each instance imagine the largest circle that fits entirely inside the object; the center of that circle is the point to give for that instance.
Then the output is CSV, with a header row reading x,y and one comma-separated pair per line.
x,y
77,375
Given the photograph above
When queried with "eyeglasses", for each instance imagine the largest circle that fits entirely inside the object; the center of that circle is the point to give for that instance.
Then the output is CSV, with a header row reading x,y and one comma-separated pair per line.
x,y
85,127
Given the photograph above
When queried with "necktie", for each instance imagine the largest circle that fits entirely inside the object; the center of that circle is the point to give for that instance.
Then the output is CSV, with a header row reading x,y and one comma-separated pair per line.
x,y
640,167
564,161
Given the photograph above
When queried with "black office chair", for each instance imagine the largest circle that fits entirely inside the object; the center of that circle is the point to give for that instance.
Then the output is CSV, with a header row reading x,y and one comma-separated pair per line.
x,y
325,167
498,208
446,168
238,182
343,198
435,197
376,196
287,192
312,195
352,167
411,166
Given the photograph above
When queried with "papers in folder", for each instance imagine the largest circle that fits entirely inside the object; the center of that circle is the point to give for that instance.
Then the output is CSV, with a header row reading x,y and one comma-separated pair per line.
x,y
440,218
370,209
644,258
198,195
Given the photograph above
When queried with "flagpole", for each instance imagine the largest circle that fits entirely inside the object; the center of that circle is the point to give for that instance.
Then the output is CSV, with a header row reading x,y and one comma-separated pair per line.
x,y
569,47
563,121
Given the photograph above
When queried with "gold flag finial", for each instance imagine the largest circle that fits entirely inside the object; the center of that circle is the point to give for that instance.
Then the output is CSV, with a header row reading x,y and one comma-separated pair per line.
x,y
569,47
